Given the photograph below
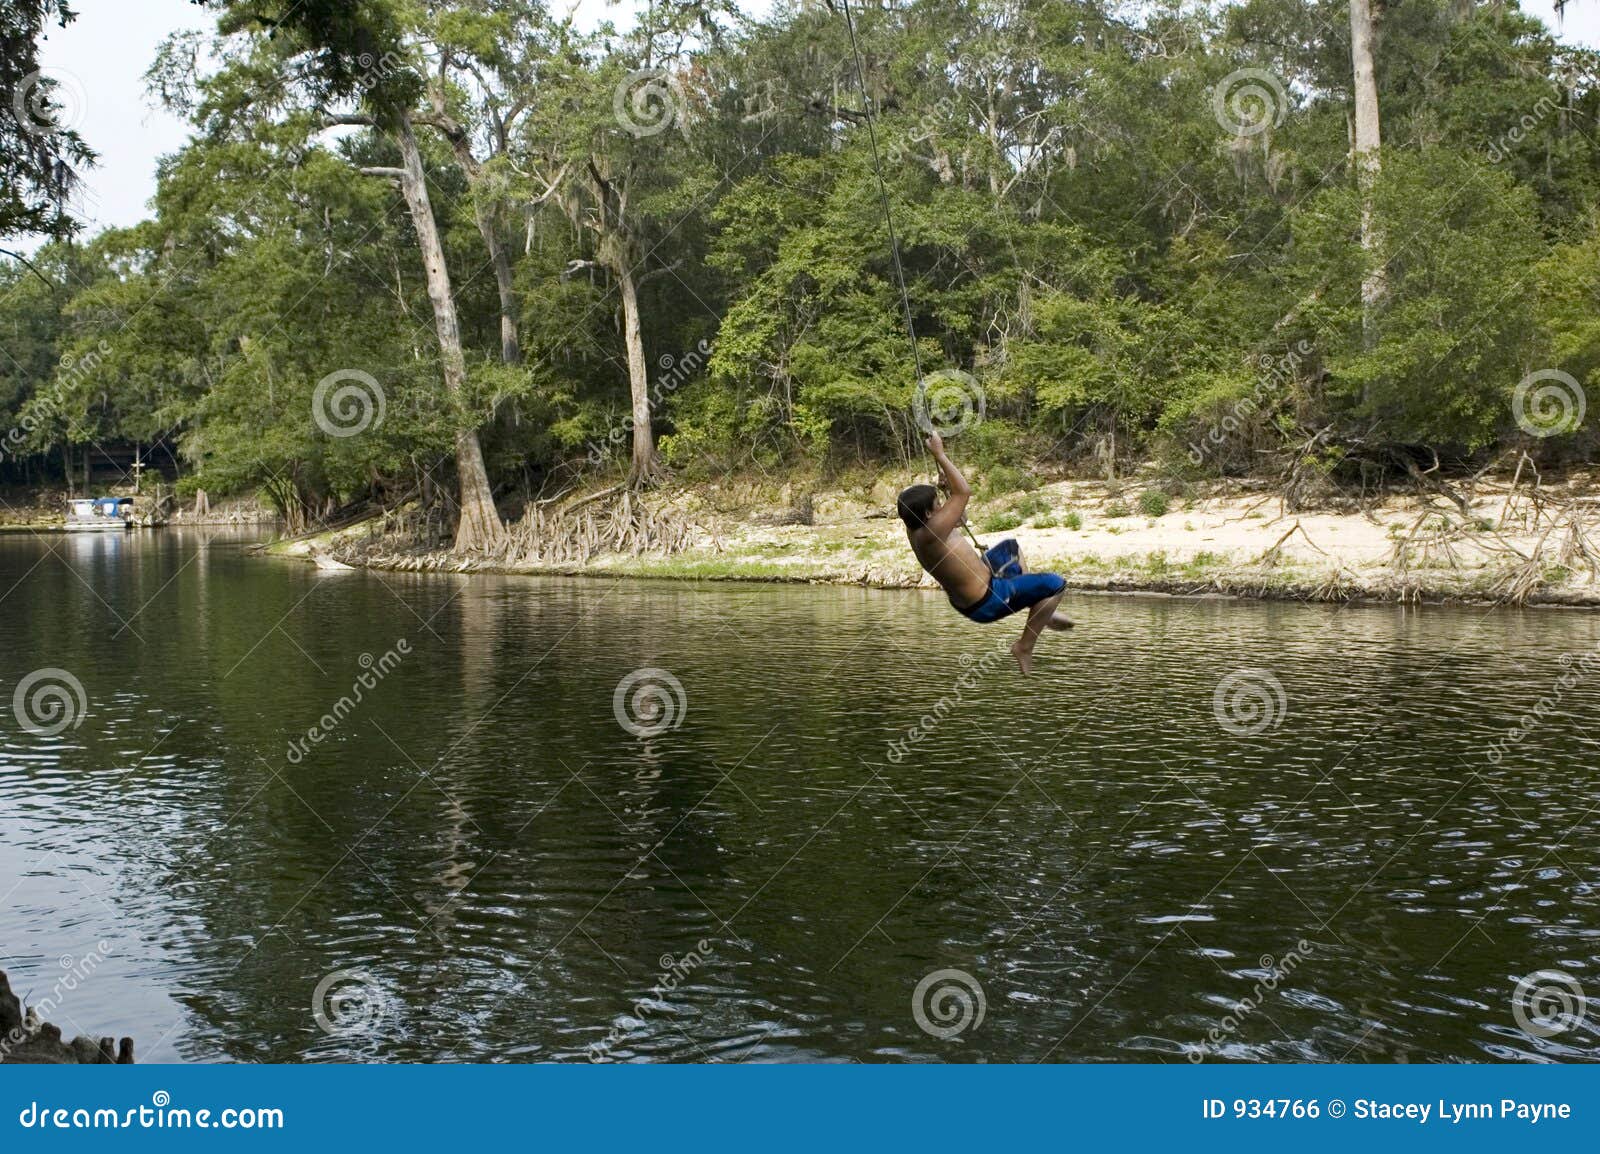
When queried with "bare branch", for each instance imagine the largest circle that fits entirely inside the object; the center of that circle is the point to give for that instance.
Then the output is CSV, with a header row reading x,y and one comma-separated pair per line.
x,y
655,272
17,256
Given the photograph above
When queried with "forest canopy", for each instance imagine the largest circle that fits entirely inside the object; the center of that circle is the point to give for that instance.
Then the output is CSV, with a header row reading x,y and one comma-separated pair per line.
x,y
467,244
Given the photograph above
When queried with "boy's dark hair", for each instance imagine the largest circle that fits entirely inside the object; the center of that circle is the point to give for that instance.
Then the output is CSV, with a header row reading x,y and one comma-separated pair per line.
x,y
915,504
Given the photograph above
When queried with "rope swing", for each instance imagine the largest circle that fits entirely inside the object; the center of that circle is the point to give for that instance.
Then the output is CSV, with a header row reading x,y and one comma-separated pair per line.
x,y
888,215
883,190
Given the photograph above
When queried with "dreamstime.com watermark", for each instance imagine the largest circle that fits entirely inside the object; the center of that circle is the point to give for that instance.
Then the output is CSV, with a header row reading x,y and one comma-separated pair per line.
x,y
1548,1002
946,110
1577,668
1518,132
674,971
75,972
347,402
649,701
1548,402
1276,372
947,1003
161,1114
975,668
70,372
1249,701
649,101
48,101
674,372
1249,101
48,702
948,402
1276,971
348,1002
374,71
376,670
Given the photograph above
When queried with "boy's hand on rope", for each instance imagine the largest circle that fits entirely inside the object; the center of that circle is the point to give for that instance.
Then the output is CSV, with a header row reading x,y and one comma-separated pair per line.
x,y
935,444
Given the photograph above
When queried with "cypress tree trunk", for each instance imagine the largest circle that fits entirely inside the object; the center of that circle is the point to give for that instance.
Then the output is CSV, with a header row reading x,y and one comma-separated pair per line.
x,y
644,468
500,257
479,526
1374,284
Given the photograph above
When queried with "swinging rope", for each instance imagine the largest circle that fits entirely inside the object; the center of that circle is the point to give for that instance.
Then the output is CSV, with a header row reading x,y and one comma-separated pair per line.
x,y
883,190
888,215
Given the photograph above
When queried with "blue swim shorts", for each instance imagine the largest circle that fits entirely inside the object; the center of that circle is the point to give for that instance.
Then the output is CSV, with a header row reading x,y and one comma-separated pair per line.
x,y
1010,589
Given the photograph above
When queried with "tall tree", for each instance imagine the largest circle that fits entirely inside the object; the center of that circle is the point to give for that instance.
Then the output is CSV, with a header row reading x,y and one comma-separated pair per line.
x,y
488,53
40,153
610,150
367,52
1367,163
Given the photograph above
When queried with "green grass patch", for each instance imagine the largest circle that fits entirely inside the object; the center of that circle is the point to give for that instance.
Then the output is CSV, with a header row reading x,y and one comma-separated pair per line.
x,y
1007,479
1031,506
999,522
1153,502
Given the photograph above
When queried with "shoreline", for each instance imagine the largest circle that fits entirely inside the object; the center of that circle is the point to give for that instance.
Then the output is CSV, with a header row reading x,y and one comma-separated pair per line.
x,y
1220,590
1498,548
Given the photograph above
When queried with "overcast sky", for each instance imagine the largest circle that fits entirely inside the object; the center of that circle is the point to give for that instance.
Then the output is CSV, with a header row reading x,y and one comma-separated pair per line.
x,y
100,60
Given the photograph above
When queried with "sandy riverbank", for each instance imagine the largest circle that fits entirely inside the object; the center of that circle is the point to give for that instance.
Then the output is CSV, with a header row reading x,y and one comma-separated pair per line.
x,y
1506,544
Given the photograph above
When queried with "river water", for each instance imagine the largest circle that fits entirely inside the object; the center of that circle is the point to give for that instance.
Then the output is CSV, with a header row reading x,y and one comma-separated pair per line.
x,y
847,831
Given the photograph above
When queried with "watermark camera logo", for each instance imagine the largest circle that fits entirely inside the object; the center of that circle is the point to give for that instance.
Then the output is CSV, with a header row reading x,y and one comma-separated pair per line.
x,y
948,402
648,101
348,1002
648,702
1249,701
49,701
48,101
1249,101
947,1003
1548,402
1548,1002
345,409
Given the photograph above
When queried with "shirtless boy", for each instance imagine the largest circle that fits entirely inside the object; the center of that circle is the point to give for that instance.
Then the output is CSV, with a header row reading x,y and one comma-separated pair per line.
x,y
982,587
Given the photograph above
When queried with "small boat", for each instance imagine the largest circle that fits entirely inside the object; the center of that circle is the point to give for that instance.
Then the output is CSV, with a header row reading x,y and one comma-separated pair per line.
x,y
100,513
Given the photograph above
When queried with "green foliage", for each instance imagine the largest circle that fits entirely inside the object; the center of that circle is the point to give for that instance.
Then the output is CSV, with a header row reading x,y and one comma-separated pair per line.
x,y
1000,522
1001,479
40,152
1117,508
1455,333
1031,506
1121,274
1073,521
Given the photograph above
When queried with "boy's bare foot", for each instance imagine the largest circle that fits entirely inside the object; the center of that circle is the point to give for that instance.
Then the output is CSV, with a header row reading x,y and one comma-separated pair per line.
x,y
1023,654
1060,622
